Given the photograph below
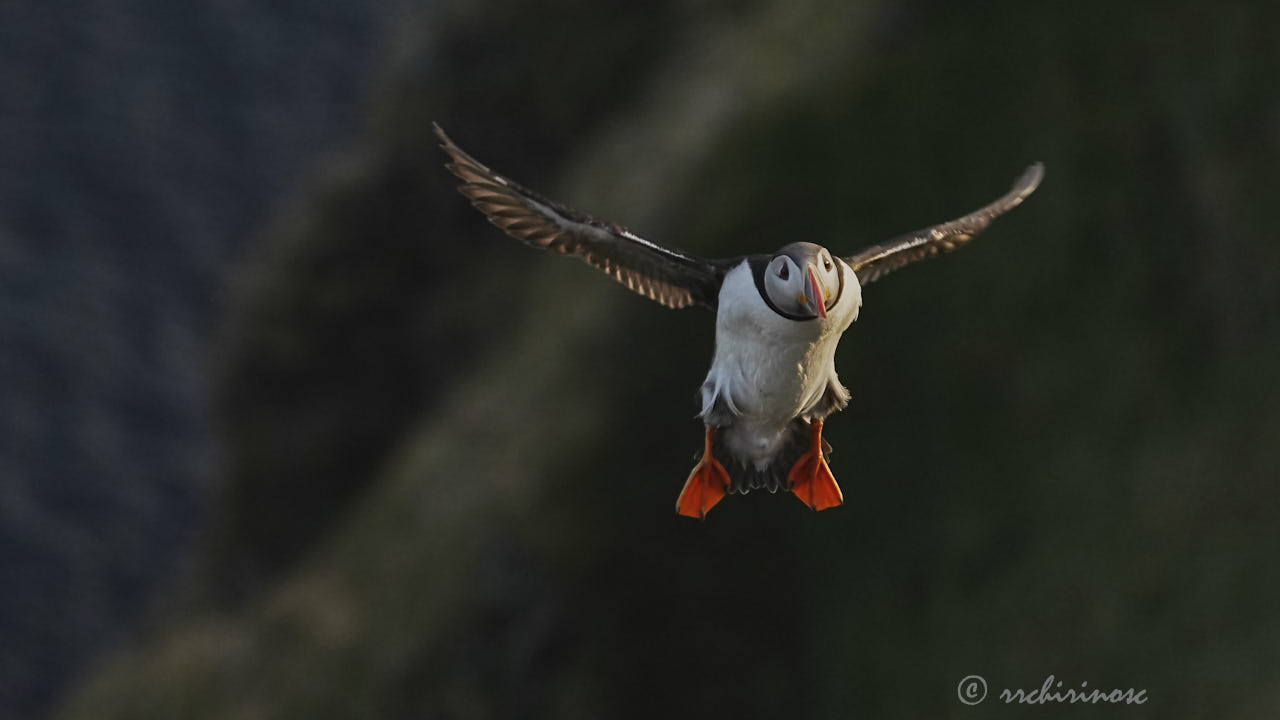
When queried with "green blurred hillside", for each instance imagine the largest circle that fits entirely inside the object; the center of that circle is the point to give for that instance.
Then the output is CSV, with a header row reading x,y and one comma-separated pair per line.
x,y
450,463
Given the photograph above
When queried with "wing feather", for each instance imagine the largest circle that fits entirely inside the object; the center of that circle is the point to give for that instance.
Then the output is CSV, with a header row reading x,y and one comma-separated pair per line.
x,y
668,276
878,260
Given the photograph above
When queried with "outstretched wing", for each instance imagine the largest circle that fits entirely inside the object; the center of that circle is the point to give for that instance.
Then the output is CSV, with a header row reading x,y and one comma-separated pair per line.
x,y
668,276
879,260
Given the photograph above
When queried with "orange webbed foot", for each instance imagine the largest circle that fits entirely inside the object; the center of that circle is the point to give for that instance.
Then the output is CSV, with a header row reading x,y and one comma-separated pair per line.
x,y
706,485
811,479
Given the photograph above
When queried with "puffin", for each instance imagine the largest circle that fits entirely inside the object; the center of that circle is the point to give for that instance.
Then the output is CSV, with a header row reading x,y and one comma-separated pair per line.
x,y
779,318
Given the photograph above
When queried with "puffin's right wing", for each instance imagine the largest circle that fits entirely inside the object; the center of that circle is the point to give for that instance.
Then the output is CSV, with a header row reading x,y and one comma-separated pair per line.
x,y
878,260
668,276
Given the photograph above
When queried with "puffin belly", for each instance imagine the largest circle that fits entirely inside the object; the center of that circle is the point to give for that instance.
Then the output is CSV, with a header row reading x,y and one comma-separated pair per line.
x,y
765,386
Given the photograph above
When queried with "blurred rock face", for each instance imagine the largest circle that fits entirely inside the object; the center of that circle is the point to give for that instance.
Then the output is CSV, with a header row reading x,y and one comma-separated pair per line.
x,y
451,462
141,145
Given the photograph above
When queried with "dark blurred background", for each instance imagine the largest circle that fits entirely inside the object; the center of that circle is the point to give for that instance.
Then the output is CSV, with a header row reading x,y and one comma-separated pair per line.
x,y
287,431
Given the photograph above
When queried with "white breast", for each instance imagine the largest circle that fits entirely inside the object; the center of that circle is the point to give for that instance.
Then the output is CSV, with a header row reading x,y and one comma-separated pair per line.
x,y
769,369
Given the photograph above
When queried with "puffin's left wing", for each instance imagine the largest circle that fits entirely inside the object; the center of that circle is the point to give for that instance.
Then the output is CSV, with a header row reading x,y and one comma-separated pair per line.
x,y
671,277
879,260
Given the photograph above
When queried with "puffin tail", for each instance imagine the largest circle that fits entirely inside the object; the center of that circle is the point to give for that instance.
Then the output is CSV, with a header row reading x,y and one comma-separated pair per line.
x,y
800,467
778,474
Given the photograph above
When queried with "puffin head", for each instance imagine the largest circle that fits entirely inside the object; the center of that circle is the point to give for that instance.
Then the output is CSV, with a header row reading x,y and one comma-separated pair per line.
x,y
802,279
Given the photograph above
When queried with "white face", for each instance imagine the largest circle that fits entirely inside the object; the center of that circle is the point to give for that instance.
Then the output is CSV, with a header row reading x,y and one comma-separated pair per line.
x,y
790,287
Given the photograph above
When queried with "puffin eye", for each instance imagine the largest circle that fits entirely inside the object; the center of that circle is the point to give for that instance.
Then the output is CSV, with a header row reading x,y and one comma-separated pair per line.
x,y
826,263
783,272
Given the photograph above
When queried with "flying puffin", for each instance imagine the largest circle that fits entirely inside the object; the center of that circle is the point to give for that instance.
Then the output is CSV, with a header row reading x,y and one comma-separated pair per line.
x,y
779,317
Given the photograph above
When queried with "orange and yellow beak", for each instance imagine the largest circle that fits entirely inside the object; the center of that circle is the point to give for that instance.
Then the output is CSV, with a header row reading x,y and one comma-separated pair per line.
x,y
815,293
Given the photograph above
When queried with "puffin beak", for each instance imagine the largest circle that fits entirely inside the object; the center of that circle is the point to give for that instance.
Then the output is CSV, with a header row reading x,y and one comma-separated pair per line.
x,y
815,292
